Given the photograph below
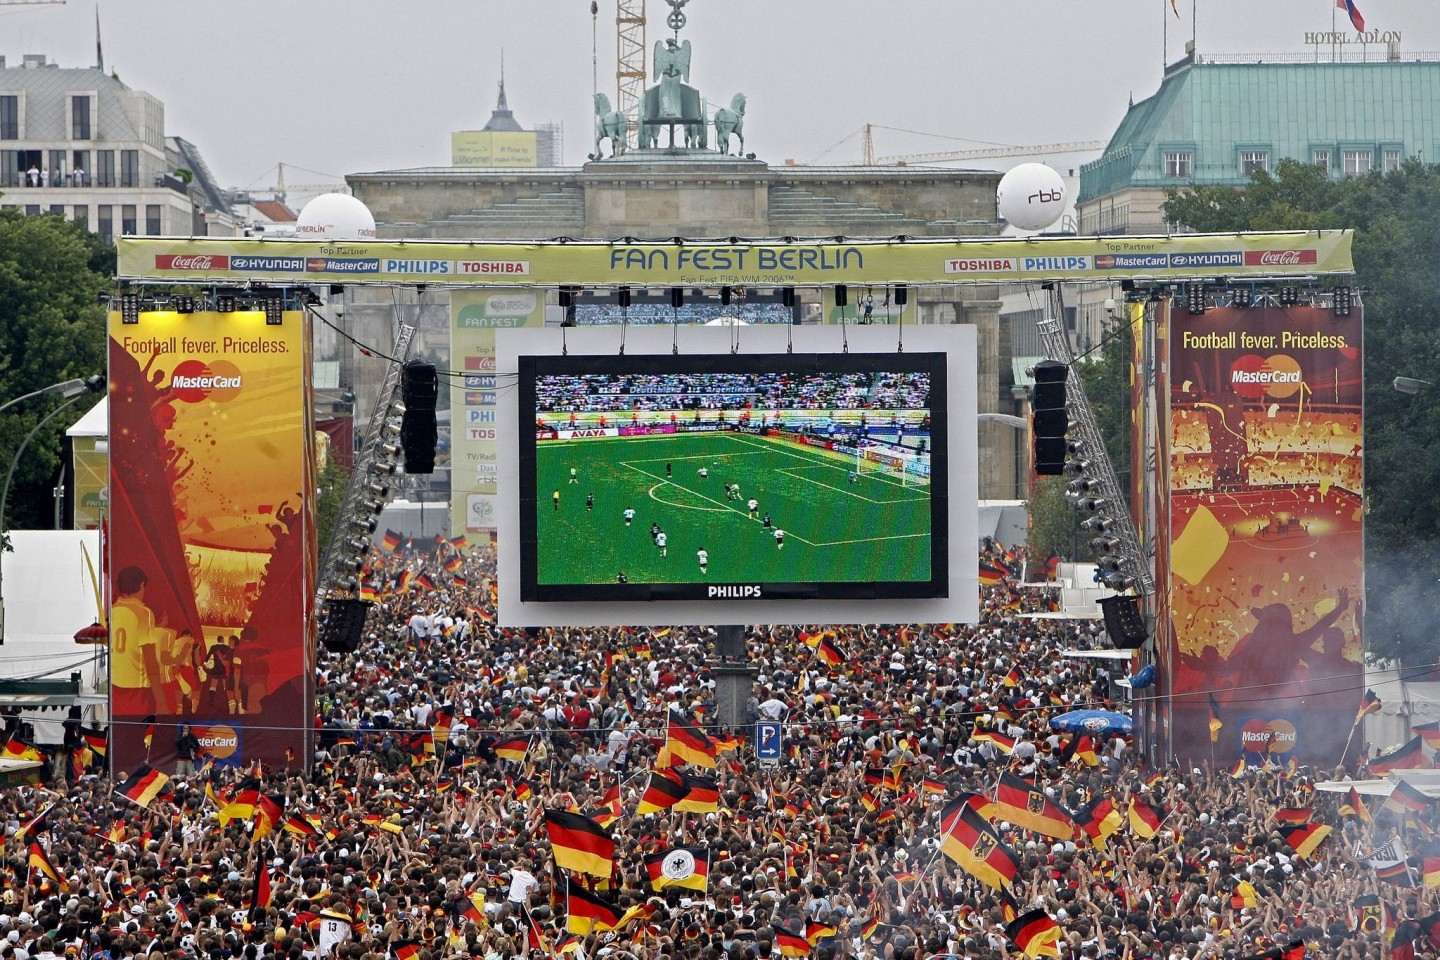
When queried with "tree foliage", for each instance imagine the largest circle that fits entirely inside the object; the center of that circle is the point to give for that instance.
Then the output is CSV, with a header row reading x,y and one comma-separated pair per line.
x,y
1397,261
52,328
333,480
1054,525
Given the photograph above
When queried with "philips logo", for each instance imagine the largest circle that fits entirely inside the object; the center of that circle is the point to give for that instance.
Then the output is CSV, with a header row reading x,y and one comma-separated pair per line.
x,y
751,591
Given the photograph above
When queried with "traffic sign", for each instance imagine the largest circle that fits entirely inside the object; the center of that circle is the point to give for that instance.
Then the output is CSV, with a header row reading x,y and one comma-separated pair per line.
x,y
768,740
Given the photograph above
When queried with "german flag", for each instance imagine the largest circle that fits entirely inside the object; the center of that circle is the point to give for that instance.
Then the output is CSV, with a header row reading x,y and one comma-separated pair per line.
x,y
580,844
815,931
1430,733
441,722
405,949
664,790
37,825
702,795
1354,806
513,749
868,801
829,651
726,743
586,912
1099,819
1215,722
640,911
1019,801
872,923
1431,927
1430,865
453,563
368,593
933,787
904,876
1370,913
39,863
262,893
687,867
268,812
792,944
1035,934
116,831
460,542
1368,705
95,739
17,749
423,581
1407,757
301,827
523,790
1407,799
149,736
1245,896
1005,744
885,816
1238,770
143,786
970,842
874,776
990,575
978,802
1396,874
1145,818
689,744
1293,815
1011,679
391,541
1305,837
471,912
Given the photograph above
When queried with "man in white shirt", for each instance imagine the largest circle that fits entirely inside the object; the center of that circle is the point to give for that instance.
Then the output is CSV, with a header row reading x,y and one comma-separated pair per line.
x,y
522,884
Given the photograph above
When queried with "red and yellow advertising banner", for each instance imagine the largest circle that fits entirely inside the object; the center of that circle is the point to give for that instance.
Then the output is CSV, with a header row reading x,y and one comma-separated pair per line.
x,y
1265,566
212,542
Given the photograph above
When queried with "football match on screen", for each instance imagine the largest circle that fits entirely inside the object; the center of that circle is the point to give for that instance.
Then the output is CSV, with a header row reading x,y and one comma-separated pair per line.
x,y
734,482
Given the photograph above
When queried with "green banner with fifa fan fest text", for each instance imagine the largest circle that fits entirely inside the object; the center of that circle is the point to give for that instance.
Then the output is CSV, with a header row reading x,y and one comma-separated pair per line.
x,y
604,263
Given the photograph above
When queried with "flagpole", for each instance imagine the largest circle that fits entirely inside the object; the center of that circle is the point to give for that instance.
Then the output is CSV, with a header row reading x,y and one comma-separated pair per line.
x,y
1348,739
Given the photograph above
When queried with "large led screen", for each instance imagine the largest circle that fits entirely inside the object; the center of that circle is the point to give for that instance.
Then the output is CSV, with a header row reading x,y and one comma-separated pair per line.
x,y
744,476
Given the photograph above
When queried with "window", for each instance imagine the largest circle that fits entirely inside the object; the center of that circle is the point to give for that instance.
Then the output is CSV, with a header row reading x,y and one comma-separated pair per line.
x,y
129,168
10,117
1392,161
106,224
55,163
80,117
58,209
127,220
9,168
80,167
1252,161
32,209
104,168
1322,160
1357,162
1177,164
82,215
152,220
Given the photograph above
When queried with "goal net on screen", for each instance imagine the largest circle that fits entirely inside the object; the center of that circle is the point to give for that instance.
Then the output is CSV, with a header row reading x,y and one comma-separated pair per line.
x,y
904,466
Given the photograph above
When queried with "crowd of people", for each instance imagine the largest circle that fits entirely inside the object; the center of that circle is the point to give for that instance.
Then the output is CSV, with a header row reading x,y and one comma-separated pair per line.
x,y
730,391
399,842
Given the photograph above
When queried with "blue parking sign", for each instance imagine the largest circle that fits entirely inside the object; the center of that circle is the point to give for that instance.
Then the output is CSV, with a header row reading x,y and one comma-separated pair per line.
x,y
767,740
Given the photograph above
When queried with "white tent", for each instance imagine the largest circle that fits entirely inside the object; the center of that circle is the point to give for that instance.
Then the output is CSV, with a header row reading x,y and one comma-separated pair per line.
x,y
48,597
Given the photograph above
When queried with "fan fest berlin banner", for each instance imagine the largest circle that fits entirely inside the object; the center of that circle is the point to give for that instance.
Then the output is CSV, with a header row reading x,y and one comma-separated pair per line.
x,y
1265,559
211,561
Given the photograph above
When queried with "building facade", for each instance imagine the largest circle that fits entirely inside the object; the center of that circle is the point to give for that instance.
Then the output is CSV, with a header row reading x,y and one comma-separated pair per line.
x,y
81,144
1218,119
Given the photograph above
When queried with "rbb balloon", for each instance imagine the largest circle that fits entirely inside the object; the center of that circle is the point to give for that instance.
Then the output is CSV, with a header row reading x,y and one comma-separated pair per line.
x,y
1031,196
335,216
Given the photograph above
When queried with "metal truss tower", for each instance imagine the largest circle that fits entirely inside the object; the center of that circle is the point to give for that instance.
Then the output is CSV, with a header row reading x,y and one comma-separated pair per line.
x,y
629,57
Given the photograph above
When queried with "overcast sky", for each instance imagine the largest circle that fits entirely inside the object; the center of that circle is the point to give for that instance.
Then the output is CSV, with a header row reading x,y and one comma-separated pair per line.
x,y
343,86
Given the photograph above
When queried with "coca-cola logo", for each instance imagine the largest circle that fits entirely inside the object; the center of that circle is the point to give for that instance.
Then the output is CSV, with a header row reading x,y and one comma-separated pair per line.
x,y
181,261
1280,258
191,261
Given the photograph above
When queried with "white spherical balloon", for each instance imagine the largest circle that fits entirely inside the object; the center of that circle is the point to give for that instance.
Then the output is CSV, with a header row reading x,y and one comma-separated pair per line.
x,y
335,216
1031,196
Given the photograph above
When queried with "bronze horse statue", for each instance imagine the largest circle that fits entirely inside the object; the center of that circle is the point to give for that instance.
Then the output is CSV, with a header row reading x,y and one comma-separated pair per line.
x,y
728,121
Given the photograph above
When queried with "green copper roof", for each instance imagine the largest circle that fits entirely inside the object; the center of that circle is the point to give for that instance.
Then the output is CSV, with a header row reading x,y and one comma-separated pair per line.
x,y
1215,112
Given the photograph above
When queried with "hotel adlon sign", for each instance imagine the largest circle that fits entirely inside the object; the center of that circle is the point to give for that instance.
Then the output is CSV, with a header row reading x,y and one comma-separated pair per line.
x,y
1326,38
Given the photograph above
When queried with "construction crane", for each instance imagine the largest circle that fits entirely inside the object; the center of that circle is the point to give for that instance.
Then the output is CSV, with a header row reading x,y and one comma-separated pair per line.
x,y
281,188
985,153
629,56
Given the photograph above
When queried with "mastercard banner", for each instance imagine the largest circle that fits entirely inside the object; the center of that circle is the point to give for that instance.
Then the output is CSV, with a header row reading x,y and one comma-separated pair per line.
x,y
1265,458
212,540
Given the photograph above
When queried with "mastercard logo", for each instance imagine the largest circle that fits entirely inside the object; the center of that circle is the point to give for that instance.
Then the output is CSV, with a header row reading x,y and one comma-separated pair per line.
x,y
219,741
193,381
1277,377
1268,736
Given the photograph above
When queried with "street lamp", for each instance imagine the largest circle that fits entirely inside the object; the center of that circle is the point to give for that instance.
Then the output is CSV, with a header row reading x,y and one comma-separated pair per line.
x,y
1411,385
72,390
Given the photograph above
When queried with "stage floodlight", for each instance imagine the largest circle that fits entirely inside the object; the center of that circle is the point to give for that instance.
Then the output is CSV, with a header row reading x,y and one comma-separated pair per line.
x,y
1342,302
